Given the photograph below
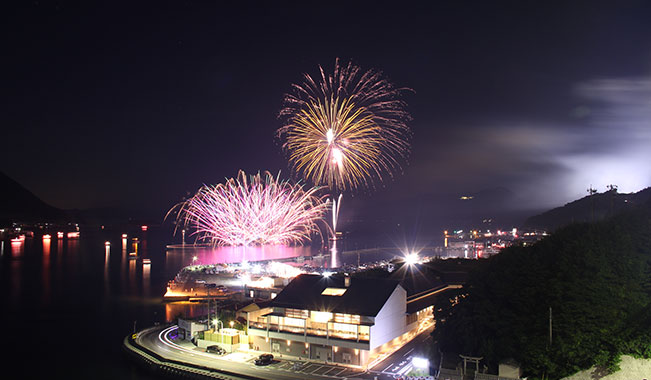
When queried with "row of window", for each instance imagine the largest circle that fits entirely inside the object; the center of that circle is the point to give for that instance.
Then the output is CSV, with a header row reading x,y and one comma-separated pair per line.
x,y
323,316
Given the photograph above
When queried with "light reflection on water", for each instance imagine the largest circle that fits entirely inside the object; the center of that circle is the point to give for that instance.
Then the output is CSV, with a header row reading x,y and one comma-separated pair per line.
x,y
82,284
334,255
46,270
202,255
39,273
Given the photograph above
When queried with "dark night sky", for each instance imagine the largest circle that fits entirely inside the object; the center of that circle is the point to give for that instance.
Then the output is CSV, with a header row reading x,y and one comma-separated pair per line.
x,y
135,103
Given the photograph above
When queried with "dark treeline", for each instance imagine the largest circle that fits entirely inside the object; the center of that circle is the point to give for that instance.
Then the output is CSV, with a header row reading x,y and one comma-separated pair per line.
x,y
593,281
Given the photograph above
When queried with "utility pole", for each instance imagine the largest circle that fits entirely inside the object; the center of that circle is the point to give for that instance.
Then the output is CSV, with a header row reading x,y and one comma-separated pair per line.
x,y
592,191
208,307
550,326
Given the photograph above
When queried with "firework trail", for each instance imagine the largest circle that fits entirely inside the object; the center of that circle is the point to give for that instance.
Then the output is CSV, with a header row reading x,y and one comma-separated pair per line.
x,y
346,129
259,210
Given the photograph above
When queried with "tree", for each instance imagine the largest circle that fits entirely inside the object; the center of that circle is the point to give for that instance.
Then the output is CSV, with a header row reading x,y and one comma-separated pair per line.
x,y
595,277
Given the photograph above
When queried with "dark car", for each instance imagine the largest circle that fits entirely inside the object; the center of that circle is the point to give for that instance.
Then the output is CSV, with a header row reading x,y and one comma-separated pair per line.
x,y
264,359
215,350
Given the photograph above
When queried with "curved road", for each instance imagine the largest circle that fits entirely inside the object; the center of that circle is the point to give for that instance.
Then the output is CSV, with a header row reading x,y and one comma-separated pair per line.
x,y
159,340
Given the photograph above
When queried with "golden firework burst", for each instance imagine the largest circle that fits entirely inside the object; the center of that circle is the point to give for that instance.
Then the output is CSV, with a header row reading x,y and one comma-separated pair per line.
x,y
347,130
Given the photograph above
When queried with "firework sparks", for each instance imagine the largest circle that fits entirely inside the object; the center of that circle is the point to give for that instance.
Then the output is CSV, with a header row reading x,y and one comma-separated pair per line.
x,y
262,210
345,130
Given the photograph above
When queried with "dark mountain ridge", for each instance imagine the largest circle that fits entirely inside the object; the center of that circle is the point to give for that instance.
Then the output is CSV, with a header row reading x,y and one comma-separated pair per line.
x,y
19,204
590,208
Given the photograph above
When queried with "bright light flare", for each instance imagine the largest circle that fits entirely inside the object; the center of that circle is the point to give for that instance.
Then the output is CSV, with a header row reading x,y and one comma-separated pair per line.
x,y
420,363
283,270
411,258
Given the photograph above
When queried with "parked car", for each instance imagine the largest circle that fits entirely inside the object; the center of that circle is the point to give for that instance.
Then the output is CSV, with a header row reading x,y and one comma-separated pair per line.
x,y
215,349
264,359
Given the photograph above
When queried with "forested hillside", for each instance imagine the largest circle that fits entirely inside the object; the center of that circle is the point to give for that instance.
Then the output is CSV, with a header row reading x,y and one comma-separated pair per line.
x,y
593,280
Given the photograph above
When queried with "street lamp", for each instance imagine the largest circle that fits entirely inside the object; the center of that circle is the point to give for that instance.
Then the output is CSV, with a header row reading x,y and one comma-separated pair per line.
x,y
411,258
216,321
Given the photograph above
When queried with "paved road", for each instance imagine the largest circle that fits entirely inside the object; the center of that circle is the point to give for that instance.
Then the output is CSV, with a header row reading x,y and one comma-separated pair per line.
x,y
159,341
399,363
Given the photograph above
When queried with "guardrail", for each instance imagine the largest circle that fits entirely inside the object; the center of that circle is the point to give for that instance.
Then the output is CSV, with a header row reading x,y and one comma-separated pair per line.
x,y
159,364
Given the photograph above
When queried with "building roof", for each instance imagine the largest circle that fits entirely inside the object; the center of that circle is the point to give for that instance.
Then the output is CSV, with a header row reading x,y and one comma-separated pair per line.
x,y
417,279
417,303
255,305
363,296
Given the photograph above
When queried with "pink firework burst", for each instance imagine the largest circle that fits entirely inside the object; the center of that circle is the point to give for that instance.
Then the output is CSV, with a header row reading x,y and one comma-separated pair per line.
x,y
257,210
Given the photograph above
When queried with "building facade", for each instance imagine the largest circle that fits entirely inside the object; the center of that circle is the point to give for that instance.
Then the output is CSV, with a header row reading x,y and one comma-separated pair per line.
x,y
333,319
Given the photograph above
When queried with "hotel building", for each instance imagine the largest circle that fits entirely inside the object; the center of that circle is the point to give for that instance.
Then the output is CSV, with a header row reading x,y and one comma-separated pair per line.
x,y
335,319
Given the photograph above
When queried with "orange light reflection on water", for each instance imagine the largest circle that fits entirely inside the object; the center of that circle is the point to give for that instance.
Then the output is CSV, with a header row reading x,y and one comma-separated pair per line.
x,y
17,248
46,245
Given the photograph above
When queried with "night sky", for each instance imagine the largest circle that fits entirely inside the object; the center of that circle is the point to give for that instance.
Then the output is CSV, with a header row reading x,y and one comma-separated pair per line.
x,y
134,104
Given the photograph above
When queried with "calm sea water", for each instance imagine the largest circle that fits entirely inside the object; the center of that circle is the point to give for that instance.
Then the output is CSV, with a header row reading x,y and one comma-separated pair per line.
x,y
68,303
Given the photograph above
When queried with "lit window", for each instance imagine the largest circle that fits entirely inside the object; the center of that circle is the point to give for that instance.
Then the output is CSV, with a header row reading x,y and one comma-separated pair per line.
x,y
296,313
334,291
347,318
320,316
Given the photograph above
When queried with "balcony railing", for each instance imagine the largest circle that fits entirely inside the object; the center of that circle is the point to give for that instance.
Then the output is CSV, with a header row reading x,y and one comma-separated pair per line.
x,y
319,332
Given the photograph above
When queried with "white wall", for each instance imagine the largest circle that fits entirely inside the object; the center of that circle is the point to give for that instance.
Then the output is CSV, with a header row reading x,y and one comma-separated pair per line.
x,y
390,322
